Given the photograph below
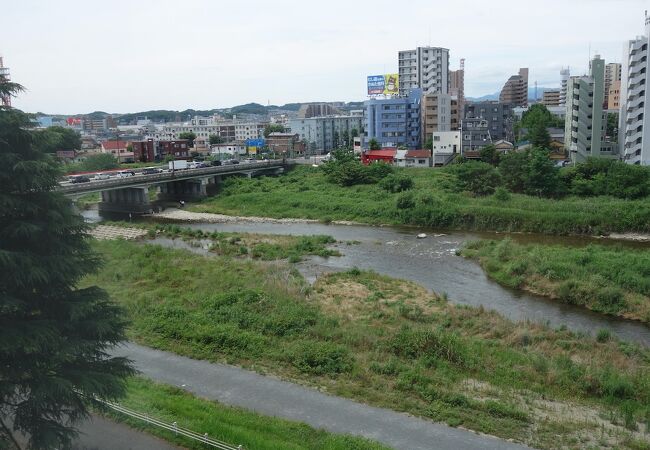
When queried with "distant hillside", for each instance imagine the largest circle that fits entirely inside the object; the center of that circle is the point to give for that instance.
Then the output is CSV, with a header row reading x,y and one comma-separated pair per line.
x,y
495,96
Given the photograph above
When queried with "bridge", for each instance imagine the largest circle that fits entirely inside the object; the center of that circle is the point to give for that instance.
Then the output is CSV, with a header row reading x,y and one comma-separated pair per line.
x,y
131,194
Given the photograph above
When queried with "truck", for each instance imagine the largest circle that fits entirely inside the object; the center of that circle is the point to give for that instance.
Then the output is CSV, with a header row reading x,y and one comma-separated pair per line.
x,y
179,164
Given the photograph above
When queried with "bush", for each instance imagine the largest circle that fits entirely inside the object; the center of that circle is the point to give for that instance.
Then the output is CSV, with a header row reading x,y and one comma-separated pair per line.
x,y
320,358
405,201
415,344
396,183
479,178
501,194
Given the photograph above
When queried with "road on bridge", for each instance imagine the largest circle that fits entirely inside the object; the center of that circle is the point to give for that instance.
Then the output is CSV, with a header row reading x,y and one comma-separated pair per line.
x,y
234,386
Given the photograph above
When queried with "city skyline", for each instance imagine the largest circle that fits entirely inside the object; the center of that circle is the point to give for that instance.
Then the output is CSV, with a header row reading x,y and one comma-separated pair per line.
x,y
208,56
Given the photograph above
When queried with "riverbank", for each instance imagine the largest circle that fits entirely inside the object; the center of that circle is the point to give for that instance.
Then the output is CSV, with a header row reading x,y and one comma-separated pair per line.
x,y
608,280
305,193
386,342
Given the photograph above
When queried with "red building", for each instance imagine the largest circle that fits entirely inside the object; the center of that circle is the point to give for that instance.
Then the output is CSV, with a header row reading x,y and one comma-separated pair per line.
x,y
144,151
179,149
385,155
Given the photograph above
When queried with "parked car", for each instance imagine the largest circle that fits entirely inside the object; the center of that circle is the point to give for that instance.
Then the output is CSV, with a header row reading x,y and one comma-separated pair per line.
x,y
151,170
80,179
125,173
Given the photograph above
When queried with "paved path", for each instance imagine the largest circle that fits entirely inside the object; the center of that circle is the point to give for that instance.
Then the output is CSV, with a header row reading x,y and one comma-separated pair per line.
x,y
103,434
266,395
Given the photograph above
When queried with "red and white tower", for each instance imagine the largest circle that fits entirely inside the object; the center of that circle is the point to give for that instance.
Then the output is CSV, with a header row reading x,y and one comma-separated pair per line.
x,y
5,100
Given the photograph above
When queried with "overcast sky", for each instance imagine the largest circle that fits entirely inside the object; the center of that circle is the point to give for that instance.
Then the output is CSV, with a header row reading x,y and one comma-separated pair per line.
x,y
123,56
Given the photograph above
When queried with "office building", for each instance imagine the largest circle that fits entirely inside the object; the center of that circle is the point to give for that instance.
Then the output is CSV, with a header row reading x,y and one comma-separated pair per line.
x,y
612,76
634,135
551,97
394,122
499,117
585,122
425,68
515,91
475,134
323,134
564,79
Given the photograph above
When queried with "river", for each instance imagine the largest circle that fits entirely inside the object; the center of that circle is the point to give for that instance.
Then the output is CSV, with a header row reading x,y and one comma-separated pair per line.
x,y
432,262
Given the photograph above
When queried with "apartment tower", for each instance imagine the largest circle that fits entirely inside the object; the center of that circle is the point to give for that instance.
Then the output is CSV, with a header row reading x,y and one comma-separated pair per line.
x,y
634,136
425,68
612,76
585,122
515,91
564,79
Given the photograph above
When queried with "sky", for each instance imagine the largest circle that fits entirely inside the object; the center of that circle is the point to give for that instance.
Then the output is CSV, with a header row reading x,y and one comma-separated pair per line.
x,y
80,56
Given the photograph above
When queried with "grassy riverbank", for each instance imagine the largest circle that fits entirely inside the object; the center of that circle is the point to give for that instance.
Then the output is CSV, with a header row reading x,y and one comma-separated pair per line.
x,y
386,342
228,424
306,193
609,280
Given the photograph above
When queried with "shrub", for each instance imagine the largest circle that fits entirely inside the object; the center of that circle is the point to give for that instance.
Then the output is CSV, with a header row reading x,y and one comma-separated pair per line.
x,y
501,194
320,358
603,335
406,200
414,344
396,183
479,178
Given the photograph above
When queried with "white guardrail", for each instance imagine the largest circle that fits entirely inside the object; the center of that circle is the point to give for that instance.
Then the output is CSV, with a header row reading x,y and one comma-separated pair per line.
x,y
173,427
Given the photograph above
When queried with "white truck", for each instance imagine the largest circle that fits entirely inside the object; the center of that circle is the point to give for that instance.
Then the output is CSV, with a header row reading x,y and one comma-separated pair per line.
x,y
179,164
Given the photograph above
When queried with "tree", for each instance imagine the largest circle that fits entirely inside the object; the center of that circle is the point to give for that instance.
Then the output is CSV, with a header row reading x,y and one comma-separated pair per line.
x,y
189,135
543,177
537,114
490,155
354,133
373,144
429,143
57,138
335,139
538,136
612,124
345,138
215,139
100,161
273,128
477,177
54,336
514,170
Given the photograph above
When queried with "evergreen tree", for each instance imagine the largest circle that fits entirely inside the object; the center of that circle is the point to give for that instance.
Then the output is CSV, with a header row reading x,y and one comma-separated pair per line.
x,y
538,136
54,336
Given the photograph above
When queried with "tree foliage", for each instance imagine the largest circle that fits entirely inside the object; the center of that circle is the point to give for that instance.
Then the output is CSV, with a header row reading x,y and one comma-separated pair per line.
x,y
100,161
373,144
599,176
476,177
189,135
531,172
539,136
345,170
54,336
490,155
273,128
215,139
56,138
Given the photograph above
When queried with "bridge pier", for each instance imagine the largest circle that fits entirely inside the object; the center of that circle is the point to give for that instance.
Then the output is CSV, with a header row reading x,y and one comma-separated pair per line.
x,y
132,200
187,189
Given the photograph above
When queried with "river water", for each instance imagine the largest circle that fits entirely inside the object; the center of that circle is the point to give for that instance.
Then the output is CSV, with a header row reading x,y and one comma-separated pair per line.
x,y
432,262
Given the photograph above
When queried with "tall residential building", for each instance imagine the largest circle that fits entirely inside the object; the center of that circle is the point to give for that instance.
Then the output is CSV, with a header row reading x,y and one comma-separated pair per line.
x,y
436,114
394,122
564,79
585,122
322,134
425,68
612,75
551,97
515,91
457,89
317,110
614,96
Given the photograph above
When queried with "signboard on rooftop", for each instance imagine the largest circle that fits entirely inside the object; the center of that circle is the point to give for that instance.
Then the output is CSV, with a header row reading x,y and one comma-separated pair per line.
x,y
387,84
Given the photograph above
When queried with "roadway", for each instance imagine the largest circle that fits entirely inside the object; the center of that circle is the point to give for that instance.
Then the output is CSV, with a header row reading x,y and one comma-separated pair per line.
x,y
272,397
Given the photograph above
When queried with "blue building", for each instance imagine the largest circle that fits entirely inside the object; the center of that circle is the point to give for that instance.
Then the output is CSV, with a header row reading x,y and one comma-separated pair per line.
x,y
394,122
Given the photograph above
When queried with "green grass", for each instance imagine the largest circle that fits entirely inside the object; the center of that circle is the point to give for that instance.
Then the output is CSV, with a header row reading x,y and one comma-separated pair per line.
x,y
382,341
611,280
306,193
235,426
87,200
264,247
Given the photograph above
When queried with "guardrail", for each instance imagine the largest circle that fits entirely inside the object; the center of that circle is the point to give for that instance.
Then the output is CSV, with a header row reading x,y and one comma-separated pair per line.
x,y
173,427
167,176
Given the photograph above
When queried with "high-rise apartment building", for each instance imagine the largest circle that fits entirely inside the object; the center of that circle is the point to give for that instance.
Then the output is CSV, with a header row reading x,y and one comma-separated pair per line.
x,y
614,96
585,122
564,79
612,75
515,91
634,134
457,90
436,114
551,97
425,68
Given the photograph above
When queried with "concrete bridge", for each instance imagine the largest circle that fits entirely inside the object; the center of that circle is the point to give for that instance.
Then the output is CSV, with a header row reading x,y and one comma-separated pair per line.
x,y
131,194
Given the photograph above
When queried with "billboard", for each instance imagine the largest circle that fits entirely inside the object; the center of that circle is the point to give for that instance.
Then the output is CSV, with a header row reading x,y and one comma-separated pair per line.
x,y
255,142
387,84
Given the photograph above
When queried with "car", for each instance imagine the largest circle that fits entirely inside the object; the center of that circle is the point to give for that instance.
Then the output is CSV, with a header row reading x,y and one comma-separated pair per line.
x,y
80,179
101,176
215,162
125,173
249,160
151,170
234,161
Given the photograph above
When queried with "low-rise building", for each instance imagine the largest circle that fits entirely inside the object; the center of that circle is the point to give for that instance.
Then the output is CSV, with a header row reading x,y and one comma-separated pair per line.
x,y
446,145
119,149
385,155
499,117
285,143
475,134
229,149
323,134
144,151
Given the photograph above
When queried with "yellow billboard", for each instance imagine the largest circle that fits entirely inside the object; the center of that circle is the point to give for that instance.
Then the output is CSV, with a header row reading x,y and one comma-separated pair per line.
x,y
387,84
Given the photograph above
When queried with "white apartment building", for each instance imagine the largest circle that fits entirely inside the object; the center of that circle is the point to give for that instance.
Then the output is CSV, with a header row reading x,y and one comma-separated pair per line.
x,y
564,79
203,127
426,68
446,144
634,135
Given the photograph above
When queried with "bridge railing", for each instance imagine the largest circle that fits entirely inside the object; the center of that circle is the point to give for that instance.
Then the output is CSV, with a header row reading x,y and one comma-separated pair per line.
x,y
167,176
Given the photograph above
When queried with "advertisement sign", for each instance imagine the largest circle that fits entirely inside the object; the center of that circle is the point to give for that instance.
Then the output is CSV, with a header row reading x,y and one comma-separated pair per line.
x,y
387,84
255,143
